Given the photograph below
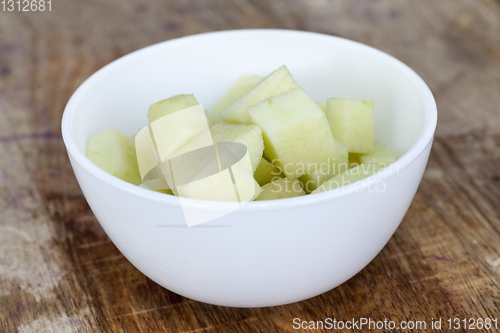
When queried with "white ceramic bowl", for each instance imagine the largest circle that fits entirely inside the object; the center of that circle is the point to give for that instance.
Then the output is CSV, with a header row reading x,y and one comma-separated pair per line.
x,y
266,253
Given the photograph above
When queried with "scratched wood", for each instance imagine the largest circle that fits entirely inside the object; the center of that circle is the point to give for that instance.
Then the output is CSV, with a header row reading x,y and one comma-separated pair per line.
x,y
59,272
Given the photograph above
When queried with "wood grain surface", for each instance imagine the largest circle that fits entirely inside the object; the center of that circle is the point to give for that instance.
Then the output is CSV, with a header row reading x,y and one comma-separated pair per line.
x,y
59,272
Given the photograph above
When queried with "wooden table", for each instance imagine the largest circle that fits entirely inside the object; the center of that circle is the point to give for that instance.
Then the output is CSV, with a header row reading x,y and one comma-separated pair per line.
x,y
59,272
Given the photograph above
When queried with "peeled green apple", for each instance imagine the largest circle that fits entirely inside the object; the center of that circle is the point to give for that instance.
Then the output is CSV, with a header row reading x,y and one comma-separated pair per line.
x,y
338,164
170,105
239,88
215,172
322,105
380,155
280,189
297,136
112,151
147,185
164,138
249,135
263,132
350,176
351,122
277,82
266,172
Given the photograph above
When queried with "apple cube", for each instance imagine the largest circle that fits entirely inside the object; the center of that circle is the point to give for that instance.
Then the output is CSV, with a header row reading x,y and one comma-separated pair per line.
x,y
219,187
281,188
113,152
148,185
350,176
234,156
145,150
380,155
297,136
175,130
338,164
249,135
170,105
322,105
209,119
132,139
351,122
155,182
239,88
170,134
217,172
277,82
266,172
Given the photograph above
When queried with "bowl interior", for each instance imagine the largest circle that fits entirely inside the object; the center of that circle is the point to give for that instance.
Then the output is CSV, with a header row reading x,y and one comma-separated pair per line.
x,y
118,96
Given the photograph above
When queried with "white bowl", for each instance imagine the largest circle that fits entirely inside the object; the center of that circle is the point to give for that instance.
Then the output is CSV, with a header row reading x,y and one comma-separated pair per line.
x,y
265,253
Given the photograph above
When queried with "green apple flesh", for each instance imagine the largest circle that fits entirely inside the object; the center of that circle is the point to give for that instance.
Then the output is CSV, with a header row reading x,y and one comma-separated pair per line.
x,y
351,122
169,134
213,173
277,82
145,151
266,172
350,176
249,135
322,105
147,186
338,164
173,131
112,151
280,189
239,88
170,105
380,155
297,135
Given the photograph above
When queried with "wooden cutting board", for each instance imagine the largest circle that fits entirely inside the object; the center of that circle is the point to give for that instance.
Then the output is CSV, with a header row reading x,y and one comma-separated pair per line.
x,y
59,272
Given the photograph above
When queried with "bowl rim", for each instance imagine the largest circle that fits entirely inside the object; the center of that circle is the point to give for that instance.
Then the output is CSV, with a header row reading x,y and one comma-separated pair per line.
x,y
74,151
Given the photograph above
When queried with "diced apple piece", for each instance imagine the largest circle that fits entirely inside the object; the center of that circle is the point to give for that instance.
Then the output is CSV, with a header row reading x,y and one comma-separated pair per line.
x,y
217,187
322,105
266,172
351,122
132,139
204,139
280,189
169,192
170,105
277,82
338,164
297,135
230,157
157,182
213,174
239,88
380,155
164,191
146,156
178,128
249,135
350,176
113,152
209,119
170,134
